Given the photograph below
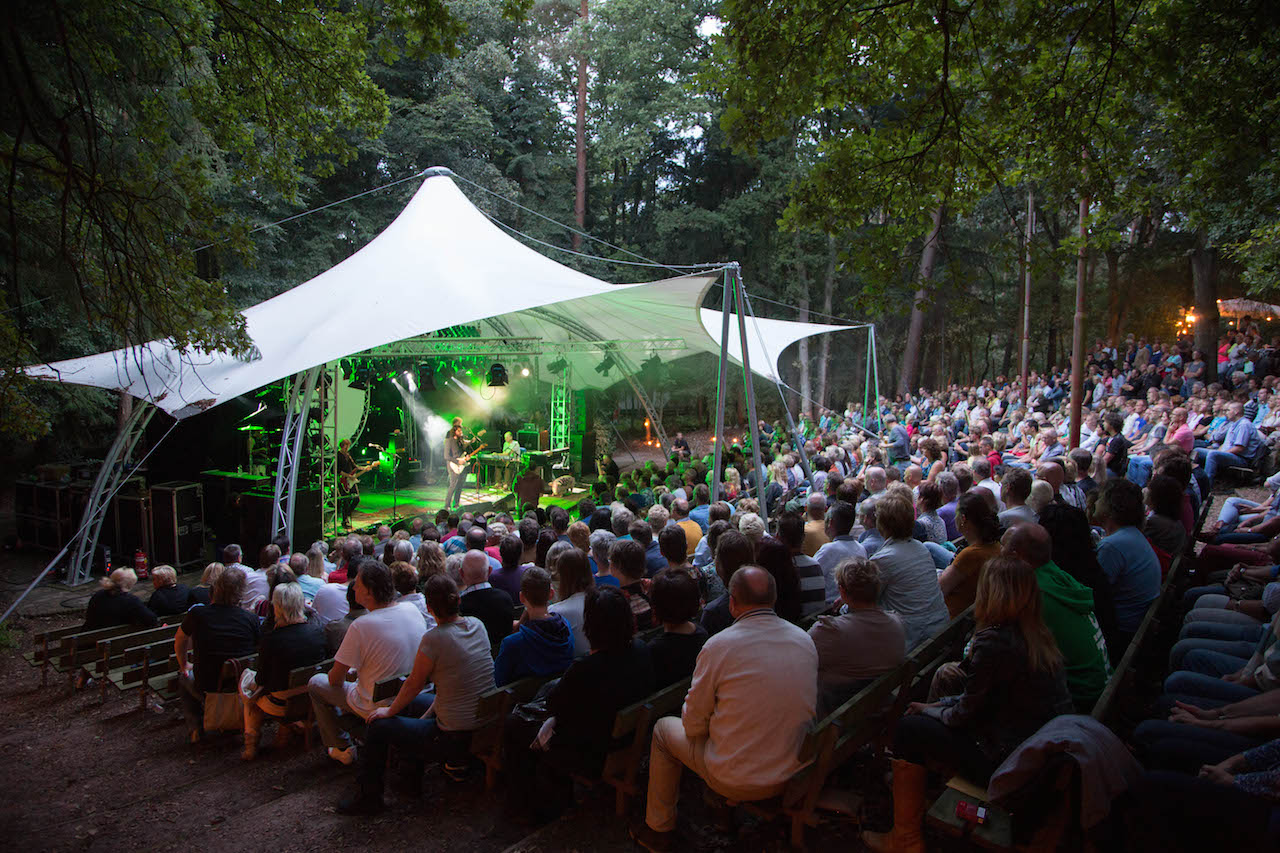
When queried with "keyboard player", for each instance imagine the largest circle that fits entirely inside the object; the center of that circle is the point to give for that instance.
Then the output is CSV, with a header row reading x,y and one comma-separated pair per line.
x,y
510,453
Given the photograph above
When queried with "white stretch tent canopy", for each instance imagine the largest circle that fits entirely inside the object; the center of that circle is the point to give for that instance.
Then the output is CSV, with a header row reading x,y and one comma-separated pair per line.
x,y
441,263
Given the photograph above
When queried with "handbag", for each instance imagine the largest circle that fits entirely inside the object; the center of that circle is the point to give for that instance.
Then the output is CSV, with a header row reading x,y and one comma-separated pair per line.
x,y
223,712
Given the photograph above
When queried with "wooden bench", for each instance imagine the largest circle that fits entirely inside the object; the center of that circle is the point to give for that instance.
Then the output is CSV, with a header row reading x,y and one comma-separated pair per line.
x,y
493,706
112,651
300,677
944,647
141,664
622,765
46,645
79,647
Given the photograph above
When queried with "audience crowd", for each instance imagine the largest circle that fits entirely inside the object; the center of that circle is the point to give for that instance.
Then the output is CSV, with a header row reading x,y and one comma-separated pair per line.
x,y
782,591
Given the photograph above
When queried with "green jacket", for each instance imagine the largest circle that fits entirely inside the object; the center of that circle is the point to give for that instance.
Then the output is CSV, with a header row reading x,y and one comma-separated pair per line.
x,y
1068,611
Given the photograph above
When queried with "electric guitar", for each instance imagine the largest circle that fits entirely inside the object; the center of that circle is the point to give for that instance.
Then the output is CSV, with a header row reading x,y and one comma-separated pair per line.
x,y
457,466
351,479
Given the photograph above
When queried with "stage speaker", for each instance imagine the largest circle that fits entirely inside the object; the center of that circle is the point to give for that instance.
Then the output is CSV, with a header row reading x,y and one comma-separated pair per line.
x,y
133,527
582,456
177,523
529,439
256,521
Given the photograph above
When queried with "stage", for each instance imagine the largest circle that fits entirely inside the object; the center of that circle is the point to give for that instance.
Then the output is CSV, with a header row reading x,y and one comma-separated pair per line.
x,y
382,506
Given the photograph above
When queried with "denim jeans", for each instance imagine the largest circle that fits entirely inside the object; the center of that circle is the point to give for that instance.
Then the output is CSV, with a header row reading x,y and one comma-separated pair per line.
x,y
1140,468
1205,691
1221,631
1215,459
1164,745
1191,595
1236,649
1213,663
328,702
421,739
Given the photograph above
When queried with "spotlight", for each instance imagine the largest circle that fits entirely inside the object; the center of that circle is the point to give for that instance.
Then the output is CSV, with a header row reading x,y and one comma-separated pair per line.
x,y
558,366
605,366
426,377
409,381
524,371
497,375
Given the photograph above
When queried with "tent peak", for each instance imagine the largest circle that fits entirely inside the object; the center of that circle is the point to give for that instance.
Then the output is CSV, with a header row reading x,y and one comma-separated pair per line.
x,y
439,172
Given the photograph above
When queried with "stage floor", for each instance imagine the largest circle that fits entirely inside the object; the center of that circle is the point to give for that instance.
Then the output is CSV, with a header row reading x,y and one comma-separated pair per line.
x,y
386,507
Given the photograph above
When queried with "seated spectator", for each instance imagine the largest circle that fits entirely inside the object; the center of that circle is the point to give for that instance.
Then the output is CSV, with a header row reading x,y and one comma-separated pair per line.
x,y
843,546
1242,521
311,578
1074,553
702,554
1014,683
542,643
627,564
674,548
257,584
674,596
978,524
1067,606
1240,446
200,594
935,529
507,576
860,644
775,558
170,597
292,643
579,535
454,657
1231,803
405,578
352,553
114,604
219,632
949,486
813,585
491,606
1163,527
908,579
1041,496
1084,466
1126,557
1194,736
573,582
815,525
601,543
617,673
377,646
759,668
1014,491
733,551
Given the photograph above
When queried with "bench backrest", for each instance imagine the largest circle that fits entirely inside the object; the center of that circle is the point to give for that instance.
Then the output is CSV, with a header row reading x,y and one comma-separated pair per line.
x,y
299,676
666,701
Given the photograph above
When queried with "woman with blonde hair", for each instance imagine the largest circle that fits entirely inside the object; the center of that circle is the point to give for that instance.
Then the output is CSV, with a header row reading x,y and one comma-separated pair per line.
x,y
732,484
312,580
114,604
1013,683
292,643
201,593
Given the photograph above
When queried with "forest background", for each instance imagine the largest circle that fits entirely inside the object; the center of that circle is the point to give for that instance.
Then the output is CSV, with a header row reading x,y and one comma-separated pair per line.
x,y
875,162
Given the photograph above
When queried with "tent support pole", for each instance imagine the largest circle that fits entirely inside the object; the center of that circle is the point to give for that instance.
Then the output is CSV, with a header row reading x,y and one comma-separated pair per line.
x,y
298,413
721,380
108,480
875,371
735,275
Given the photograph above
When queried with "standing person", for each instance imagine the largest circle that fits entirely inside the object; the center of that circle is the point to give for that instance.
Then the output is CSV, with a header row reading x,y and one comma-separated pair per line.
x,y
1014,683
511,453
349,474
455,460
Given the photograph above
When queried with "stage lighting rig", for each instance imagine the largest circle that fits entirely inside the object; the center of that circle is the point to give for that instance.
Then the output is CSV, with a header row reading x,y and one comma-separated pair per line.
x,y
497,375
605,366
558,366
426,377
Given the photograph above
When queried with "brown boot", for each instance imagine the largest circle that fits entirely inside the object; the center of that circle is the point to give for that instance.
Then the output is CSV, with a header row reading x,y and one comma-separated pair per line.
x,y
907,835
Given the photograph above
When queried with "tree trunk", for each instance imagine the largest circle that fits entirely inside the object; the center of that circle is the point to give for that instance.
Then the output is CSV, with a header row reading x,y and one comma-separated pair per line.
x,y
928,256
580,197
828,294
1055,303
802,281
1113,294
124,409
1204,277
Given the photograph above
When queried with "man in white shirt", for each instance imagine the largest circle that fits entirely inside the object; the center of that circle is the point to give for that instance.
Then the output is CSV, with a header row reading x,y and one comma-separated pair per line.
x,y
256,585
753,694
982,474
379,645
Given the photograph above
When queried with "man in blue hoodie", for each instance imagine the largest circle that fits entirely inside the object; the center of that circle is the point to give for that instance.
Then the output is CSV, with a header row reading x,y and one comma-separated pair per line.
x,y
543,645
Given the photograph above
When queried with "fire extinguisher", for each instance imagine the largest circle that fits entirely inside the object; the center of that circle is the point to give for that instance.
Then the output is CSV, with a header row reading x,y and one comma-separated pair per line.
x,y
140,564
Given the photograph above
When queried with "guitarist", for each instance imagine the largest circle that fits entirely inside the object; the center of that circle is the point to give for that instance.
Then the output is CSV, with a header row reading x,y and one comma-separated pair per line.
x,y
455,459
348,481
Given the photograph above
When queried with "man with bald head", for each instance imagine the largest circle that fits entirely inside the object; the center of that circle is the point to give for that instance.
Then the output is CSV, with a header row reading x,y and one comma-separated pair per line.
x,y
1240,446
815,525
1053,474
1068,610
490,605
753,695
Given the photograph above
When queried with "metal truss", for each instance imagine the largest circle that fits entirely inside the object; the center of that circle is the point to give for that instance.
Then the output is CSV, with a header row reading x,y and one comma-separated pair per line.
x,y
104,488
297,415
463,347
